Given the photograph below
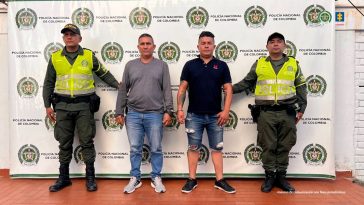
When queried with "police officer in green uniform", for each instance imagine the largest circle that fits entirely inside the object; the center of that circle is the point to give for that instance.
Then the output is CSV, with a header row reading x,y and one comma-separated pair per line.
x,y
69,86
281,99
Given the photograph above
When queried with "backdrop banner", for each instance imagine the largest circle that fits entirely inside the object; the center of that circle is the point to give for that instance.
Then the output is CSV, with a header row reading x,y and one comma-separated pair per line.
x,y
111,29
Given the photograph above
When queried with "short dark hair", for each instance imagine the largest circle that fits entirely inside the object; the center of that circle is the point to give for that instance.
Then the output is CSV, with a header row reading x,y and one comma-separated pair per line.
x,y
275,35
206,34
145,35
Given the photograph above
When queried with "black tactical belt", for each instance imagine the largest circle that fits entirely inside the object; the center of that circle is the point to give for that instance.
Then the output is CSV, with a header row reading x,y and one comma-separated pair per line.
x,y
73,100
273,107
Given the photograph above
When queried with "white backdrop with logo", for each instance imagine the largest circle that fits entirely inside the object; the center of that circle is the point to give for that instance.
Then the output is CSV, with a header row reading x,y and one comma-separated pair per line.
x,y
111,29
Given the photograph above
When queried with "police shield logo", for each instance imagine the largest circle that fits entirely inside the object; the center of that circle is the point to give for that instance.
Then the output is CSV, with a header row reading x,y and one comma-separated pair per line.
x,y
49,124
314,154
78,156
325,17
204,155
26,19
315,15
226,51
290,49
51,48
27,87
169,52
28,155
112,53
255,17
83,18
140,18
197,17
84,63
232,122
146,154
316,85
253,154
109,122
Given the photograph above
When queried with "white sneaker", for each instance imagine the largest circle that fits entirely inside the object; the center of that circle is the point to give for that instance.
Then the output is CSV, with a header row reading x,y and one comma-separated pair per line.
x,y
158,185
133,184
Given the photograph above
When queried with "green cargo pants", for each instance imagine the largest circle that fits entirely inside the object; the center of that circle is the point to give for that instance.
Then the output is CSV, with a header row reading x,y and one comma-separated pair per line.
x,y
67,122
276,136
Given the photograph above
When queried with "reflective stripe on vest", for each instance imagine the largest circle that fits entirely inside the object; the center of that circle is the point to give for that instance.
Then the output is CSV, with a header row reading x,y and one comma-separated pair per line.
x,y
275,87
76,79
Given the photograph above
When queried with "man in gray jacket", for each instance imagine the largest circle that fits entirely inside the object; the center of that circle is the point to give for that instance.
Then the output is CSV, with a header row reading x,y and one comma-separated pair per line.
x,y
145,92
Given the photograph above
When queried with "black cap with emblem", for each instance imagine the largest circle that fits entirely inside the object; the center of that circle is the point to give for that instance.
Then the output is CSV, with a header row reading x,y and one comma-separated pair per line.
x,y
71,27
275,35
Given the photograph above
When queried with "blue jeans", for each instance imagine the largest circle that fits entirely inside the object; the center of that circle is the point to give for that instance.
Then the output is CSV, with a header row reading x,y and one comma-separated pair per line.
x,y
137,126
196,123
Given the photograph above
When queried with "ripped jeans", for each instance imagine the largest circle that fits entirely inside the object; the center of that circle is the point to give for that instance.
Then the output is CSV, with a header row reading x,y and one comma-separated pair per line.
x,y
196,123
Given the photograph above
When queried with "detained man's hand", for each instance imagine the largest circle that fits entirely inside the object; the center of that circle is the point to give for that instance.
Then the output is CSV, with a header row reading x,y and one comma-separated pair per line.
x,y
223,118
167,120
120,120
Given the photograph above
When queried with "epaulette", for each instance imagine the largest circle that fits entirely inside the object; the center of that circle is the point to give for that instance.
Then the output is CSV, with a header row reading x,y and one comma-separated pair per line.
x,y
294,59
87,49
93,52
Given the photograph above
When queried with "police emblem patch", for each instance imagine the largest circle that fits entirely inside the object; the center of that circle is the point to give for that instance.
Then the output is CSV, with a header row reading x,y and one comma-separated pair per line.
x,y
255,17
314,154
316,85
325,17
253,154
112,53
197,17
26,19
27,87
83,18
140,18
28,155
226,51
169,52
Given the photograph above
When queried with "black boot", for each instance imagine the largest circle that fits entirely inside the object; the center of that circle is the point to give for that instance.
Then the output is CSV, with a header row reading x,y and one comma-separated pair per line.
x,y
282,182
268,183
63,179
90,177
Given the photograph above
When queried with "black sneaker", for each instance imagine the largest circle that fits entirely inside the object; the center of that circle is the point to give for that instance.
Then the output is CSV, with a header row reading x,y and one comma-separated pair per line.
x,y
224,186
190,185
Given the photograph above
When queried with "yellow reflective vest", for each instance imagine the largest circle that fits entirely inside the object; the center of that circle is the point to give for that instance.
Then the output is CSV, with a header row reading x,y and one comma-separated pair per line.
x,y
76,79
272,86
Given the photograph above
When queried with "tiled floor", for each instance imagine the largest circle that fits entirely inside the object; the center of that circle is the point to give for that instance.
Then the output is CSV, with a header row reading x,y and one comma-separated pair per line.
x,y
341,191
